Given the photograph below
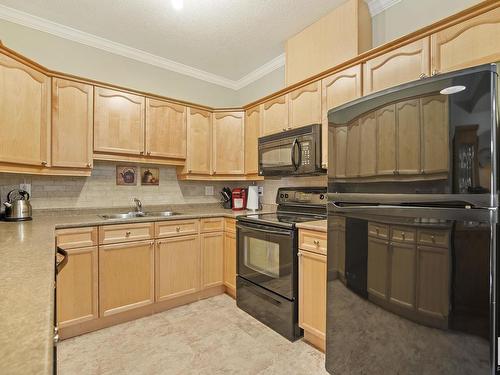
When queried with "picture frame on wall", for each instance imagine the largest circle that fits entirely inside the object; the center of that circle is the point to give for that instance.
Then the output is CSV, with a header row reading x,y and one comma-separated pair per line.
x,y
126,175
150,176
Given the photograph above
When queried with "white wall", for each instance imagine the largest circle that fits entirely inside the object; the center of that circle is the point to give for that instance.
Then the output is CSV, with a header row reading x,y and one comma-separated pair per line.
x,y
410,15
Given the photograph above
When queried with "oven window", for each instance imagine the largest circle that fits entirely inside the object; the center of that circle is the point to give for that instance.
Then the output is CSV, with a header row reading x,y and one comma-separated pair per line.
x,y
262,256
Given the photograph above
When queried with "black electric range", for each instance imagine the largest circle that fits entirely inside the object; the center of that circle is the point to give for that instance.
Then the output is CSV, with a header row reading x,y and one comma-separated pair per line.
x,y
267,281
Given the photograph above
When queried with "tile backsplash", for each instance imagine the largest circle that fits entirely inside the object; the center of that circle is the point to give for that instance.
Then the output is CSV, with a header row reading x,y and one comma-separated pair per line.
x,y
100,189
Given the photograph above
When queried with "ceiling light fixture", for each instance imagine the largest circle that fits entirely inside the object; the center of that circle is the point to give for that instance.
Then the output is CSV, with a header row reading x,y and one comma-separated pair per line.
x,y
452,90
178,4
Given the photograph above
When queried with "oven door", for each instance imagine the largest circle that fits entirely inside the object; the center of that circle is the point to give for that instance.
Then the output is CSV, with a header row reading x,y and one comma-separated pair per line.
x,y
267,256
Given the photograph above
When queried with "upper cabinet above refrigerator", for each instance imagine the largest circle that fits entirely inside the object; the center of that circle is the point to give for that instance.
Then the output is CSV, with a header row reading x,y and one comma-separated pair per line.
x,y
428,137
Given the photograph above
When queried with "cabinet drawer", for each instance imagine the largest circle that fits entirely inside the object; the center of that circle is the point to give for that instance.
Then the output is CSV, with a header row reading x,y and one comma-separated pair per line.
x,y
433,237
403,234
76,237
176,228
339,221
230,225
312,241
125,233
378,230
214,224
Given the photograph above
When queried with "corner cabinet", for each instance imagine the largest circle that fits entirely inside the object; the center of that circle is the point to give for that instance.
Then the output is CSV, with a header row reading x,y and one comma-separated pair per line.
x,y
199,142
118,122
72,123
24,114
404,64
229,143
469,43
165,129
252,134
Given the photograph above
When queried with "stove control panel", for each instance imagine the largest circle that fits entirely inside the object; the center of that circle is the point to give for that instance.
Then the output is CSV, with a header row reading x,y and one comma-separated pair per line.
x,y
306,196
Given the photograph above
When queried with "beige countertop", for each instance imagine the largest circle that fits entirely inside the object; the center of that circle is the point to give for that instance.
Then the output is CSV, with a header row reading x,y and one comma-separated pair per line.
x,y
318,225
27,253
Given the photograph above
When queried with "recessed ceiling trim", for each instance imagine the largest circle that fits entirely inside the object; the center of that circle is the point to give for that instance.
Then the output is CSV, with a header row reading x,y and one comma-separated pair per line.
x,y
378,6
69,33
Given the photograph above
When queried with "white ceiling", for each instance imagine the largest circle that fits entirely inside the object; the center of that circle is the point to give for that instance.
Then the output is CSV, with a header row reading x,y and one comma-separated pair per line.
x,y
227,42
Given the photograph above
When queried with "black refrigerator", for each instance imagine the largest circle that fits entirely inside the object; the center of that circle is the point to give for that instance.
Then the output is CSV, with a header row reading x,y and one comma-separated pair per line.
x,y
412,228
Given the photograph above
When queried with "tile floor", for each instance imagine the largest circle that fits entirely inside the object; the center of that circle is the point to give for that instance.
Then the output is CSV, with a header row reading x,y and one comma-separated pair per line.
x,y
207,337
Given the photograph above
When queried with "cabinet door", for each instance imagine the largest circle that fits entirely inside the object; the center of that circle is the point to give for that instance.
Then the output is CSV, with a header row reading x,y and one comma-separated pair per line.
x,y
337,89
386,140
252,134
305,105
433,281
230,262
72,123
378,261
77,287
436,148
408,144
339,151
229,143
126,276
403,272
165,129
338,240
352,157
24,114
404,64
368,142
118,122
199,141
312,293
212,259
469,43
275,115
177,266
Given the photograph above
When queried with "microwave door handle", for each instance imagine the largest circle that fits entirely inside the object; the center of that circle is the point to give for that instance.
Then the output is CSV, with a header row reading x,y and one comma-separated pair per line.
x,y
292,153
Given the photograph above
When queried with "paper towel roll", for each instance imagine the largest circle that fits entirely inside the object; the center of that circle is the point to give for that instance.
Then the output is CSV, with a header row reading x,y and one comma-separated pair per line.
x,y
253,198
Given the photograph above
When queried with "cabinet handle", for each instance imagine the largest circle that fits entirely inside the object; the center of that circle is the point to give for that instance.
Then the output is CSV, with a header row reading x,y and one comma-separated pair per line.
x,y
128,233
44,163
178,229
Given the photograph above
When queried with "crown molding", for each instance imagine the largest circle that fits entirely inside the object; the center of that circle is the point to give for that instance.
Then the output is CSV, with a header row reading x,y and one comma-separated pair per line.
x,y
69,33
378,6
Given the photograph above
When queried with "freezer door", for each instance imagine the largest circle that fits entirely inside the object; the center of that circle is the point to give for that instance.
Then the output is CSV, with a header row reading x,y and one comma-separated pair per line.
x,y
410,290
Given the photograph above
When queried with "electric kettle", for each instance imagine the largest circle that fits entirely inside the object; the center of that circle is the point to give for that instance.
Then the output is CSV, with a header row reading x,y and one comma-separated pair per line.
x,y
18,206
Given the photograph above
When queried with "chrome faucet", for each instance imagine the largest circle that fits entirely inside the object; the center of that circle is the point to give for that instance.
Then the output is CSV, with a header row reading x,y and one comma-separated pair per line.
x,y
138,205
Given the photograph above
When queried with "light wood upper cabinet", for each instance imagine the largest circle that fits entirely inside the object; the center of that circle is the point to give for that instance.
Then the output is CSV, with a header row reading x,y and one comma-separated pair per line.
x,y
229,143
212,259
126,276
352,157
368,142
305,105
275,115
404,64
165,129
230,262
177,267
72,123
435,137
408,144
252,134
469,43
24,114
312,293
77,287
337,89
340,151
118,122
199,142
386,140
378,267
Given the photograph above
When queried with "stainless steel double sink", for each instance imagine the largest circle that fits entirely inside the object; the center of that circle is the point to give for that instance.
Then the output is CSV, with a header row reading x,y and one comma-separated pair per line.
x,y
133,215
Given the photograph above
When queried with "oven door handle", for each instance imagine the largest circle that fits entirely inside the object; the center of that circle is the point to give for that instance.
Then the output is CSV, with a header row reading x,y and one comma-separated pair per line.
x,y
270,231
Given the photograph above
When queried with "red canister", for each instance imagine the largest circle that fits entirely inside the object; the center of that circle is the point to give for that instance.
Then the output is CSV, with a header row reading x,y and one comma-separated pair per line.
x,y
239,196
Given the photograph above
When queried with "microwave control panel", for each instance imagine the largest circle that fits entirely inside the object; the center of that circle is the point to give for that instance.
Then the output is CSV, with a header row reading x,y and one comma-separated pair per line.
x,y
306,153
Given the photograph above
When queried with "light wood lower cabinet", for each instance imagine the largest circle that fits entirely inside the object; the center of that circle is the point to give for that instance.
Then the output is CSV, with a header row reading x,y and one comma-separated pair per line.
x,y
177,264
338,238
230,262
126,276
378,266
212,259
77,287
312,295
403,269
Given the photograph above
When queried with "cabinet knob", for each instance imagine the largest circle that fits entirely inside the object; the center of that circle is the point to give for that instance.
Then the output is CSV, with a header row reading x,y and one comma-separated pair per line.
x,y
89,165
290,128
316,242
422,75
128,233
433,239
44,163
56,338
299,254
377,231
149,152
403,235
435,72
190,170
284,129
141,152
178,229
215,172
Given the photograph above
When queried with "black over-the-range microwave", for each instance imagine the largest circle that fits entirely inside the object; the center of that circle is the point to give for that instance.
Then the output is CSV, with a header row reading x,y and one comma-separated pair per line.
x,y
294,152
